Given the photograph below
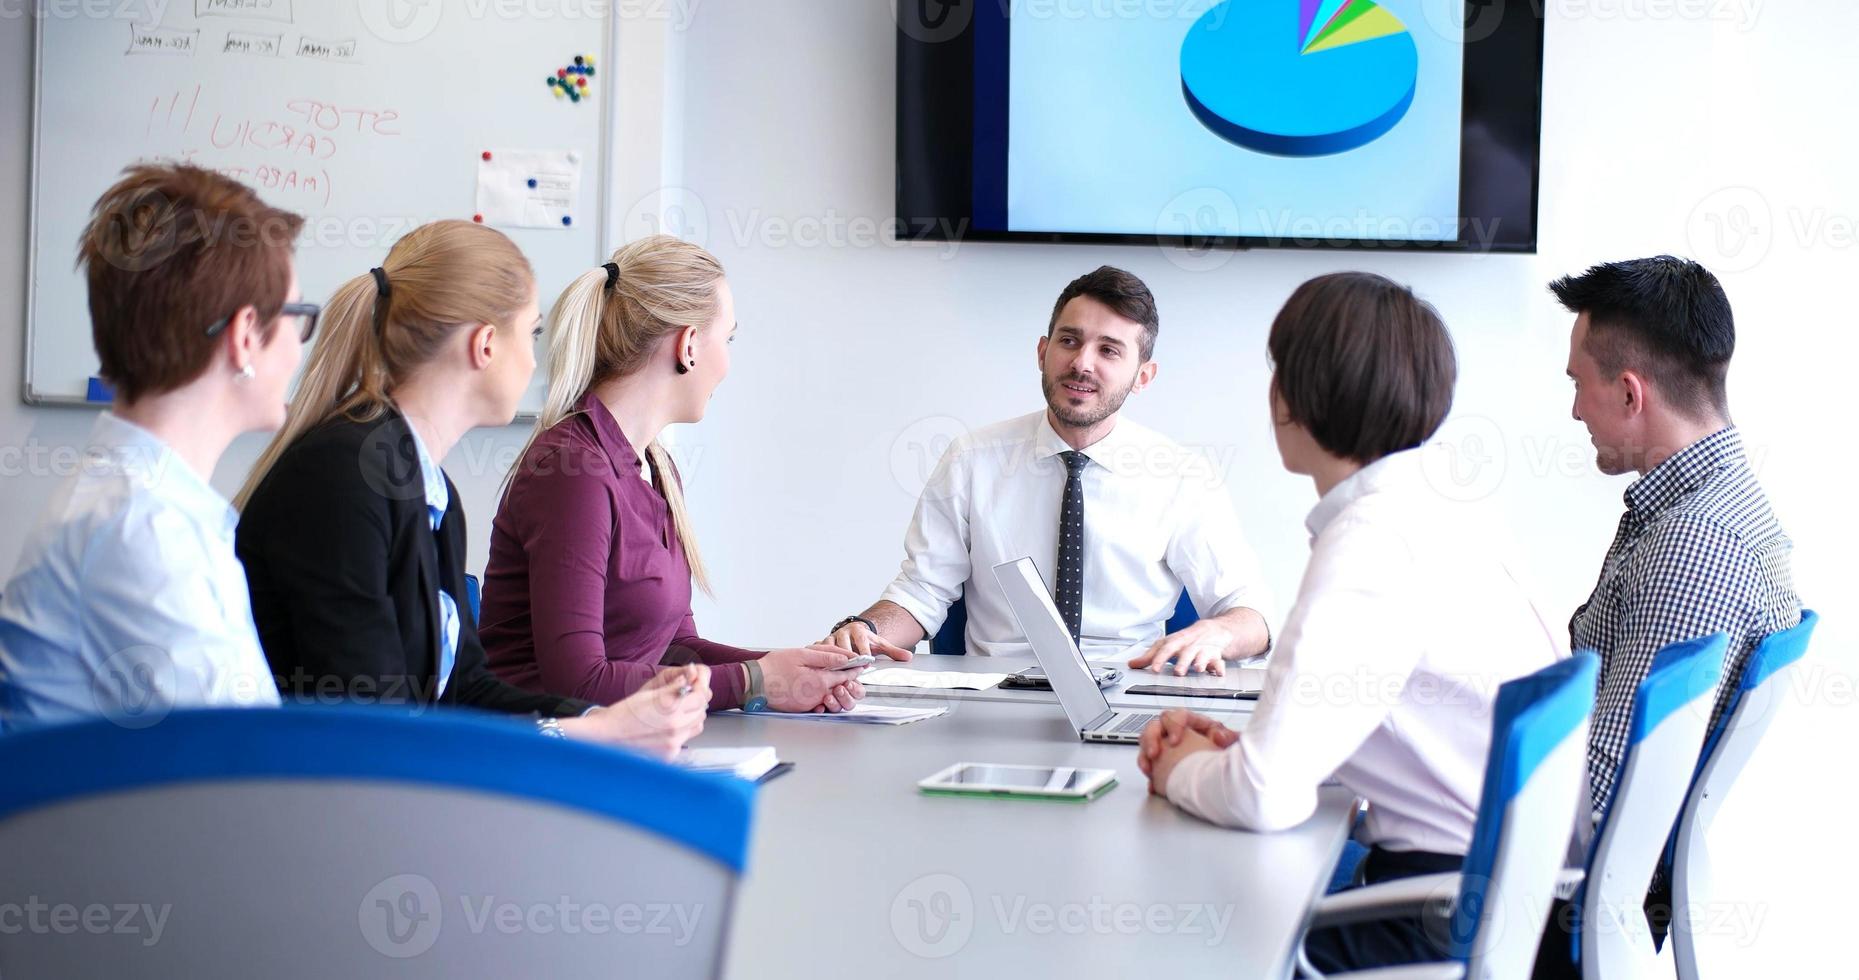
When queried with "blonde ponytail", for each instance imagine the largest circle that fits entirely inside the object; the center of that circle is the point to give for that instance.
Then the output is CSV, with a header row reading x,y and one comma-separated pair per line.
x,y
598,332
440,277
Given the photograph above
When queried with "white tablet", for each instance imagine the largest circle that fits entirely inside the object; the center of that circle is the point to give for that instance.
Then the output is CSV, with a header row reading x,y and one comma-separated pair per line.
x,y
1032,782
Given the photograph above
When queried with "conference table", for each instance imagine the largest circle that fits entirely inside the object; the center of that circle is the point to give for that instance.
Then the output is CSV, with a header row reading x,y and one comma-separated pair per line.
x,y
854,872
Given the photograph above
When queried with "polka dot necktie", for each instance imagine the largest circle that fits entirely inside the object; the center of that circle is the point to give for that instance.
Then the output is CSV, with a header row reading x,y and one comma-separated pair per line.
x,y
1070,593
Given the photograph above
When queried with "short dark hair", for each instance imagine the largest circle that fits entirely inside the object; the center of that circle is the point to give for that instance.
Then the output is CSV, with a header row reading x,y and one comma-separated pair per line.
x,y
1126,296
171,248
1666,318
1363,364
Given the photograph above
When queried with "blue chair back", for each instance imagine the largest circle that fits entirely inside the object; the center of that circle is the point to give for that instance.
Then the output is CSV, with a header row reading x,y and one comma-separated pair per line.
x,y
1671,710
951,638
1766,675
474,595
1535,784
350,841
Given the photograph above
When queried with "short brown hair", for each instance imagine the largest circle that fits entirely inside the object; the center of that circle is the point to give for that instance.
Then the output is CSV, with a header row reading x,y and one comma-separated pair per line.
x,y
170,249
1126,296
1363,364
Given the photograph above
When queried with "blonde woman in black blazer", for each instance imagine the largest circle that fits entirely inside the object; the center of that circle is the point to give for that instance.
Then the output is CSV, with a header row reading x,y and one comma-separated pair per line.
x,y
357,579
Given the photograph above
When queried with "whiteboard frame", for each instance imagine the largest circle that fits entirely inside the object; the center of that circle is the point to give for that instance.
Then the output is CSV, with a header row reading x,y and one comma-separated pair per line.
x,y
603,230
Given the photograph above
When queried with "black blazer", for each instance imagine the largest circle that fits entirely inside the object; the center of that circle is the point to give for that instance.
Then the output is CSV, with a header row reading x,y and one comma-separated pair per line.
x,y
344,569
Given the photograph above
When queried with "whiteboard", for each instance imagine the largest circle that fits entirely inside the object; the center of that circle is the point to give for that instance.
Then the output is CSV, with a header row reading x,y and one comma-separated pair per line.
x,y
365,123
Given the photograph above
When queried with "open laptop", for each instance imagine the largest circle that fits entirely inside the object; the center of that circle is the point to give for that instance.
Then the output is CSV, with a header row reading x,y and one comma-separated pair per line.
x,y
1064,663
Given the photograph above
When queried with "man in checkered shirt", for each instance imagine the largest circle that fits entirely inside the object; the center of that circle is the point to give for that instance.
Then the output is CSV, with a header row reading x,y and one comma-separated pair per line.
x,y
1698,550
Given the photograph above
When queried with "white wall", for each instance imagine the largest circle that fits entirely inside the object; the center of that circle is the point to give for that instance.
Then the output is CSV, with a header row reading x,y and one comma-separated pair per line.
x,y
855,354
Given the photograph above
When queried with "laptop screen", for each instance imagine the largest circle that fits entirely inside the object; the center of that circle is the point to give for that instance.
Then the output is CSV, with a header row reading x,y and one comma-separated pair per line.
x,y
1052,643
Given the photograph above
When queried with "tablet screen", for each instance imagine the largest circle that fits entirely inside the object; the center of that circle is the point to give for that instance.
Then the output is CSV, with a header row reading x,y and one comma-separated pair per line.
x,y
1020,777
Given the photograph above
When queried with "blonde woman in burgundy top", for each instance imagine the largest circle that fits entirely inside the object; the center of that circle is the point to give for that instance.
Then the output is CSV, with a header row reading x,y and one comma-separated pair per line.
x,y
592,559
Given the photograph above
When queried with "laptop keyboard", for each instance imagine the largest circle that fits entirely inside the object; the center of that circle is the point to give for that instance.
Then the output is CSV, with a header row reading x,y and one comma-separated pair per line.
x,y
1132,723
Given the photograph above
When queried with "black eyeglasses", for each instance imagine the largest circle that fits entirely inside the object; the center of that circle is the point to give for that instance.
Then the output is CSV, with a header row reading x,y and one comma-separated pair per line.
x,y
306,314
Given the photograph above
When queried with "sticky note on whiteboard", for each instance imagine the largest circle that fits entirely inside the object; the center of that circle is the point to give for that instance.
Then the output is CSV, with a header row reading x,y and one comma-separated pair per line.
x,y
529,188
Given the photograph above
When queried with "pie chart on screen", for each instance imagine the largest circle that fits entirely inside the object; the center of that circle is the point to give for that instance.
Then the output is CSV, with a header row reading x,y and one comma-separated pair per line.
x,y
1299,78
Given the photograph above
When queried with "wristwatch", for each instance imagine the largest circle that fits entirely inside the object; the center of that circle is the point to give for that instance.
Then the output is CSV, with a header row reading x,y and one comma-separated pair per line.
x,y
849,620
754,698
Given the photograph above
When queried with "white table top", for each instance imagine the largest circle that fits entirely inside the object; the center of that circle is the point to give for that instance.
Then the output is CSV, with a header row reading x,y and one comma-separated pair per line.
x,y
853,872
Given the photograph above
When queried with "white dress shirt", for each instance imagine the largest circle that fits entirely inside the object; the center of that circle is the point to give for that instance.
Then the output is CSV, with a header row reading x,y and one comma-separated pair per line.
x,y
1157,519
128,599
1408,619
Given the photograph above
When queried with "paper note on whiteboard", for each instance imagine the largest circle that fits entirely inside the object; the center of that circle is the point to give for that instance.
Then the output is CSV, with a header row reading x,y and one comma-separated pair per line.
x,y
529,188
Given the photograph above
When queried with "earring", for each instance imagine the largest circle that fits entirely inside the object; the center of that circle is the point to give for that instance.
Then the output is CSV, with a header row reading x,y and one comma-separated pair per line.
x,y
682,369
245,374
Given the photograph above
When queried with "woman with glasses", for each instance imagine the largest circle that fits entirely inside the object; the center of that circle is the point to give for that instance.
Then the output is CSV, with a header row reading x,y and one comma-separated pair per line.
x,y
353,538
128,600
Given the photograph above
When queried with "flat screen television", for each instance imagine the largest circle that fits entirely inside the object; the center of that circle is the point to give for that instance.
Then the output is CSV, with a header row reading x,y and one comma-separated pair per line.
x,y
1410,124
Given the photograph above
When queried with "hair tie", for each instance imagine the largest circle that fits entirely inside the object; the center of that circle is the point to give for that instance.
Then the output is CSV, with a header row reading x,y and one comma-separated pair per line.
x,y
383,291
613,273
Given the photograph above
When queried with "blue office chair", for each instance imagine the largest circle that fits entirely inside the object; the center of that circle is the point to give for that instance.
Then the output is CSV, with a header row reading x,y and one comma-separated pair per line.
x,y
1491,910
951,639
347,841
474,595
1671,710
1767,673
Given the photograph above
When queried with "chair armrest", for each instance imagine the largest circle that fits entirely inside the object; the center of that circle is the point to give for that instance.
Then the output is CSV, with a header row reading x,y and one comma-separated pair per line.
x,y
1410,971
1386,900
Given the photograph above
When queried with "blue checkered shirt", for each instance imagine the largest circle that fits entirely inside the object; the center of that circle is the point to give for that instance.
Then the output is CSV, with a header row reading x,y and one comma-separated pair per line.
x,y
1697,552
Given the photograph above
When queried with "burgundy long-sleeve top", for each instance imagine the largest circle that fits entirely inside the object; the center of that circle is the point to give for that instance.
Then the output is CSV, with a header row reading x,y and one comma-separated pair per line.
x,y
588,590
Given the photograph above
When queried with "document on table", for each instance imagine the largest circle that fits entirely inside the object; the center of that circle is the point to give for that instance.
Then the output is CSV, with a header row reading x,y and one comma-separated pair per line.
x,y
863,714
937,680
749,762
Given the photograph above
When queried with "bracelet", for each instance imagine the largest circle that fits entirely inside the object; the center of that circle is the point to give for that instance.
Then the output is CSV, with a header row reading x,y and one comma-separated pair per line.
x,y
550,728
754,671
754,696
870,626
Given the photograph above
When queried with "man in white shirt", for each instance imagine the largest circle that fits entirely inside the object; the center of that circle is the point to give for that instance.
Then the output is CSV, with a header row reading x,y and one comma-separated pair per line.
x,y
1409,616
1119,519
